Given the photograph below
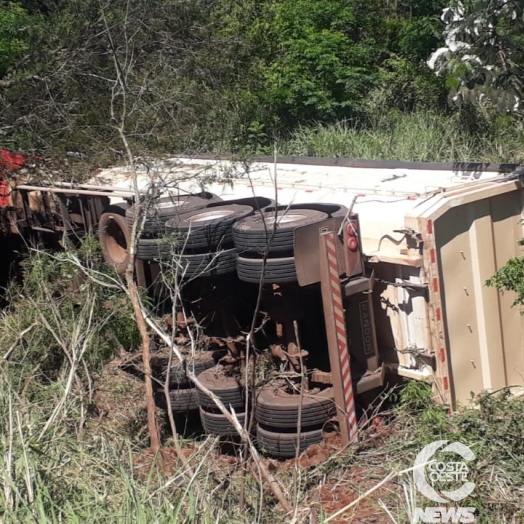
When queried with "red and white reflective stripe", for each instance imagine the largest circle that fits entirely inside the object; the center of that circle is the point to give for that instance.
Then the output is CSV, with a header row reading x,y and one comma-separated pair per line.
x,y
340,328
439,348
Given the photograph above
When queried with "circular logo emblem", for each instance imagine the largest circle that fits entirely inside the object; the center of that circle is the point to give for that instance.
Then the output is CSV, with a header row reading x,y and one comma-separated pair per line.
x,y
452,471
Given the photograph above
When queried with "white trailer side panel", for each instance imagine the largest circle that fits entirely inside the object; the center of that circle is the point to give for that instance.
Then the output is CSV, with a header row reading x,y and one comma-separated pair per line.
x,y
469,226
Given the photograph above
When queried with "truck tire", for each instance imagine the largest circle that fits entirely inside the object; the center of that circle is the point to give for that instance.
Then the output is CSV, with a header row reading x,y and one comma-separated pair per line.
x,y
209,227
152,249
208,264
252,234
332,210
182,400
278,409
114,236
276,270
229,389
256,202
177,372
218,424
341,212
284,445
165,208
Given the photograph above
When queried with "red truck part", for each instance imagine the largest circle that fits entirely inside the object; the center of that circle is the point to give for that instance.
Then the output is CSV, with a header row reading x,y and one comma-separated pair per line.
x,y
9,162
337,337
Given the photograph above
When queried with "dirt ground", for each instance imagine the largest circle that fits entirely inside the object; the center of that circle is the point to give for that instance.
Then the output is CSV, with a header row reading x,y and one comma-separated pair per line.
x,y
120,410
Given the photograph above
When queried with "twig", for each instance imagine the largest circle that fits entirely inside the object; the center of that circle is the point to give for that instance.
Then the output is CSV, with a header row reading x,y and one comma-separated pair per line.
x,y
165,338
8,461
18,338
299,416
120,89
154,432
174,433
385,480
252,329
176,477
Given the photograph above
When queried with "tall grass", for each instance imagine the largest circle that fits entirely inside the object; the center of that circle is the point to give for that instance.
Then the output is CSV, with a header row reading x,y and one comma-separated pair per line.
x,y
91,464
63,479
421,136
72,441
104,477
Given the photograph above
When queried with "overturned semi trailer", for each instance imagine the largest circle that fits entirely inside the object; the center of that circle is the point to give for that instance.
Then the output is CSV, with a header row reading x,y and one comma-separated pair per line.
x,y
431,235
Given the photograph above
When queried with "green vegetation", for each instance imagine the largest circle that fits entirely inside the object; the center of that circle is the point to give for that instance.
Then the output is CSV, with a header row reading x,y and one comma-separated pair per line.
x,y
238,76
421,136
73,445
59,324
483,54
15,24
511,278
491,431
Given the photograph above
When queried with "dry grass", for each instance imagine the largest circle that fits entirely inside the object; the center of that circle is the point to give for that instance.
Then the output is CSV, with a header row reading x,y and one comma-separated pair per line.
x,y
107,474
92,463
425,137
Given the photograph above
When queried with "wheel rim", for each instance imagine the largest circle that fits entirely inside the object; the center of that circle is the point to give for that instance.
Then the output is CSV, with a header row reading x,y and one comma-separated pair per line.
x,y
284,219
210,215
116,242
171,203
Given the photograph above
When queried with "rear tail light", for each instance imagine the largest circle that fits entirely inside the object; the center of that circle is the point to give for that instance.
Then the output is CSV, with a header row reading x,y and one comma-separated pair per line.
x,y
352,235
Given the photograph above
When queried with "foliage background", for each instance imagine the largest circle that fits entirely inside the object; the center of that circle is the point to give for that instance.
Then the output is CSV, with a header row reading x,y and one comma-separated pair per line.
x,y
234,76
